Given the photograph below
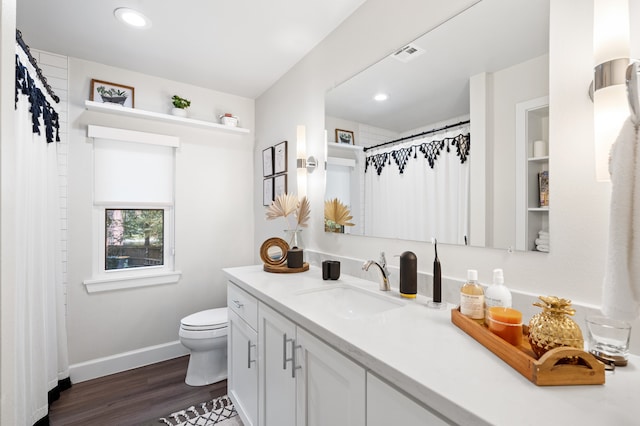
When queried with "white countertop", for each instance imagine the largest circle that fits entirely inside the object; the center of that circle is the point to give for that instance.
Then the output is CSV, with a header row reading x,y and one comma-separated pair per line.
x,y
420,351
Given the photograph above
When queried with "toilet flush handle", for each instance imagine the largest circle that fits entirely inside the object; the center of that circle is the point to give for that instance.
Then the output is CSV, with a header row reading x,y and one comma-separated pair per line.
x,y
238,304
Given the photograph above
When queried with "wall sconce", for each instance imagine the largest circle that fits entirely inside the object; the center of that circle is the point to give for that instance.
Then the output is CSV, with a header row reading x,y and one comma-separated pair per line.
x,y
611,55
304,164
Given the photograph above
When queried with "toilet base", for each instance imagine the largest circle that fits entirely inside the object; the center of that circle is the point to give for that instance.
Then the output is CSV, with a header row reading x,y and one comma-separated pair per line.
x,y
206,368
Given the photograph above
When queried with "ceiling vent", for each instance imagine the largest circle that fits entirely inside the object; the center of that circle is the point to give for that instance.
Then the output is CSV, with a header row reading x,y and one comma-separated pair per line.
x,y
407,53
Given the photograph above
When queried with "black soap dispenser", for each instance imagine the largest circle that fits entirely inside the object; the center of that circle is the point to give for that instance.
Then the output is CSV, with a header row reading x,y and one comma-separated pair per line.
x,y
408,275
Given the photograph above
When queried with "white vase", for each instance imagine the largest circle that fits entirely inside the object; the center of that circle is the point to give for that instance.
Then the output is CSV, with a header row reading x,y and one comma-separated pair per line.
x,y
179,112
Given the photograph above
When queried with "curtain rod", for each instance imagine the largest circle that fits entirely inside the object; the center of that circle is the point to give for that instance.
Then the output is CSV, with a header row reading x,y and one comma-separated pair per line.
x,y
428,132
42,78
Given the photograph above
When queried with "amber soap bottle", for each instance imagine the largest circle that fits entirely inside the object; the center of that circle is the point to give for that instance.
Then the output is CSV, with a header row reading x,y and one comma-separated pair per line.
x,y
472,298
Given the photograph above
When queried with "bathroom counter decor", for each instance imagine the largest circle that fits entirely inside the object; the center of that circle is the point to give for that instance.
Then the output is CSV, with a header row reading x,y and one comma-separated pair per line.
x,y
284,269
552,369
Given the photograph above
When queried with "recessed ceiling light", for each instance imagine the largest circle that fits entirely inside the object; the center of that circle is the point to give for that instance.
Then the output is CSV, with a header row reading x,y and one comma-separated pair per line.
x,y
381,97
132,17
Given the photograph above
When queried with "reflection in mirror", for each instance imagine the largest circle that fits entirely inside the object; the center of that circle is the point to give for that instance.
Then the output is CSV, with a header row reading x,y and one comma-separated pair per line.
x,y
477,67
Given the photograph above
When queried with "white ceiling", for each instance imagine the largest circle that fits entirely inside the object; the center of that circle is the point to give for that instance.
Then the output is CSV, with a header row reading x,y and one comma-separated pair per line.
x,y
240,47
489,36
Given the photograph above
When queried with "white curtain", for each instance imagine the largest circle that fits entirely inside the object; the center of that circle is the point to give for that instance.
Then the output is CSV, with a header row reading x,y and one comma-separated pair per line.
x,y
41,350
421,203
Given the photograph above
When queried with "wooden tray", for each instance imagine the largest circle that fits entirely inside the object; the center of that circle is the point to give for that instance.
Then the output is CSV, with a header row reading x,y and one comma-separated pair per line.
x,y
284,269
559,366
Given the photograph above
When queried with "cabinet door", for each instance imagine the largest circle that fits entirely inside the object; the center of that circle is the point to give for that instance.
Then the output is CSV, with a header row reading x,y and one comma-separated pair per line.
x,y
387,406
330,387
277,383
242,384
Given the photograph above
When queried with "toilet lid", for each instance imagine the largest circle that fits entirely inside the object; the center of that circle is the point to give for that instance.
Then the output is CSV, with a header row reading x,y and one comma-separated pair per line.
x,y
211,318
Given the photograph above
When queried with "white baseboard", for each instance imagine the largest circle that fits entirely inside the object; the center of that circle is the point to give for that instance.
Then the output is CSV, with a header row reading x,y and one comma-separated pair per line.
x,y
100,367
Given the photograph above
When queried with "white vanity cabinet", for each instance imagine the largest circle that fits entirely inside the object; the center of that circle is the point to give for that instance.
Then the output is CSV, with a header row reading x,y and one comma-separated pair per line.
x,y
303,381
387,406
242,347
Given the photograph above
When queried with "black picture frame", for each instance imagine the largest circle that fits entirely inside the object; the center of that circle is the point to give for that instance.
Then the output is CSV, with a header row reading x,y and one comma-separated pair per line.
x,y
279,185
345,137
267,191
280,158
267,161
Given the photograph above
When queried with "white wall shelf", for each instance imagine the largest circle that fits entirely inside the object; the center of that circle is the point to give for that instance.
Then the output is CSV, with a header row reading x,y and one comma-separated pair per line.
x,y
342,150
167,118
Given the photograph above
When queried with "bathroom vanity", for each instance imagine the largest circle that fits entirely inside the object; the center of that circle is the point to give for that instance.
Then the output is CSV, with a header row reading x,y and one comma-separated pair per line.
x,y
303,351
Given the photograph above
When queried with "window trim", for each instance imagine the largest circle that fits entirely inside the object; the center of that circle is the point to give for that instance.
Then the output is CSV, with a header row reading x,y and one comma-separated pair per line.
x,y
115,279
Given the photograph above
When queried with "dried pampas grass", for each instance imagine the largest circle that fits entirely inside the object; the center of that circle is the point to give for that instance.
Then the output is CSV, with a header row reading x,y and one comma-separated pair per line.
x,y
287,204
337,212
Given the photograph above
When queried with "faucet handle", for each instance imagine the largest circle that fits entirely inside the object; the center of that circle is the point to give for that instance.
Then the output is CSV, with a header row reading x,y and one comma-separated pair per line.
x,y
383,263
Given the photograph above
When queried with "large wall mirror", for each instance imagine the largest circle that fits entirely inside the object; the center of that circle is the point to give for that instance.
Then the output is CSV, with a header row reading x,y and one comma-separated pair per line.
x,y
467,101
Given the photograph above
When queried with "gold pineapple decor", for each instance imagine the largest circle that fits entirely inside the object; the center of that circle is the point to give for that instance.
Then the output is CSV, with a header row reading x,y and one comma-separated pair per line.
x,y
553,327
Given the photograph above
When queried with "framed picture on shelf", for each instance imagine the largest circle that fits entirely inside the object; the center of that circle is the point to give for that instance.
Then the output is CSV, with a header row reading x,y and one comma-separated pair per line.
x,y
267,161
344,136
280,158
279,185
112,93
267,191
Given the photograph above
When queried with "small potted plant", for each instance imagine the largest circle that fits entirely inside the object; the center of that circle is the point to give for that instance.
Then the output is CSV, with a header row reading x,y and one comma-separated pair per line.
x,y
180,106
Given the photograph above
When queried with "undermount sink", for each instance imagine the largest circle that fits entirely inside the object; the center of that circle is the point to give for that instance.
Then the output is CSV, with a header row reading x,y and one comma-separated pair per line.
x,y
348,302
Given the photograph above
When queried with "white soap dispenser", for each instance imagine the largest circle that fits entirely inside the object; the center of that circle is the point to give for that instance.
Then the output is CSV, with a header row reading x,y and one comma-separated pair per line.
x,y
497,294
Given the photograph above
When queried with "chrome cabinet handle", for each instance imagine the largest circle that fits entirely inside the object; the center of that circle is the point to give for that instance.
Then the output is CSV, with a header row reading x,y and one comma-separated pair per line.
x,y
238,304
285,360
249,360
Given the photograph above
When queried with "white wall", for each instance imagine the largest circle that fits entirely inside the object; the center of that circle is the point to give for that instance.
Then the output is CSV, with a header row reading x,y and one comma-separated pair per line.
x,y
213,210
574,268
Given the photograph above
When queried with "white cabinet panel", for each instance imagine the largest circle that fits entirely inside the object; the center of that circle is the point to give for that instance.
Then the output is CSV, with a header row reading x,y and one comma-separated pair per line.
x,y
331,388
277,382
386,406
242,384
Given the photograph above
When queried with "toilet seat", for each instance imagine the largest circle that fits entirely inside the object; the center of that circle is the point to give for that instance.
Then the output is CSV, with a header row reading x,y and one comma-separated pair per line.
x,y
210,319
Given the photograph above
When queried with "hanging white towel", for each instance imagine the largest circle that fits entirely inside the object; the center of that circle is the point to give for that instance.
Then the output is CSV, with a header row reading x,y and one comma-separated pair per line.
x,y
621,287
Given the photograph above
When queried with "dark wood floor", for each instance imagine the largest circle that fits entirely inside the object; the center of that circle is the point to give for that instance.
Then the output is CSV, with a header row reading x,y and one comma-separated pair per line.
x,y
135,397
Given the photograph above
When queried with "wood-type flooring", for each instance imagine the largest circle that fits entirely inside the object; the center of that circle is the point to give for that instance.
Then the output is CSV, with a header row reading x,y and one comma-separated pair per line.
x,y
135,397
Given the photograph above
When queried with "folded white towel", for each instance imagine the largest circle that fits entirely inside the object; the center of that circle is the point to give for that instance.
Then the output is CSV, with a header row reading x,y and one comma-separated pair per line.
x,y
543,241
543,234
621,286
543,247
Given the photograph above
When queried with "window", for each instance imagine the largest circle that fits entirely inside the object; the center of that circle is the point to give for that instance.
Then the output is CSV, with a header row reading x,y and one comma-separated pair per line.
x,y
133,209
134,238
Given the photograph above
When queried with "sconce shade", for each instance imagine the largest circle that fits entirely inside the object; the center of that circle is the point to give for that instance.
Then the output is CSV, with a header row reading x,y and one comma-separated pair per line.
x,y
611,53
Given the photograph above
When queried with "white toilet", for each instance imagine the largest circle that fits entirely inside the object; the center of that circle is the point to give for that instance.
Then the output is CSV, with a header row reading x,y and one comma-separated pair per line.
x,y
205,334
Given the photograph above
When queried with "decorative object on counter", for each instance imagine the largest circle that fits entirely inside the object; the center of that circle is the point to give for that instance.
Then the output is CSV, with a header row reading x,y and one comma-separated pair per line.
x,y
330,270
497,294
112,93
180,106
557,367
608,339
294,258
274,252
408,275
286,206
552,327
506,323
336,216
229,119
472,298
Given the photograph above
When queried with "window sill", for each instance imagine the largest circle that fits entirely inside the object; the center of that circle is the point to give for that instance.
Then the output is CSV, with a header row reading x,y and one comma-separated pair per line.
x,y
99,285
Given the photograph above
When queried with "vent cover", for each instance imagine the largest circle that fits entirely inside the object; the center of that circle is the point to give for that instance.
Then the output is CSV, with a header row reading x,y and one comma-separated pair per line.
x,y
407,53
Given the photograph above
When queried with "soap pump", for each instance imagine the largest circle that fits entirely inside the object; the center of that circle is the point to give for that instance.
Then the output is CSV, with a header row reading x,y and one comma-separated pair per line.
x,y
408,275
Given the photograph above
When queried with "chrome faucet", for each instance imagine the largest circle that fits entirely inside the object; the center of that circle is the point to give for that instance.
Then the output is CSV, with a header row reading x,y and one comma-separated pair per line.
x,y
384,274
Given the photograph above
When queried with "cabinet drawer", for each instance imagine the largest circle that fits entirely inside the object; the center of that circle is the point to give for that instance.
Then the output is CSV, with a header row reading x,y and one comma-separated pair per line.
x,y
243,304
